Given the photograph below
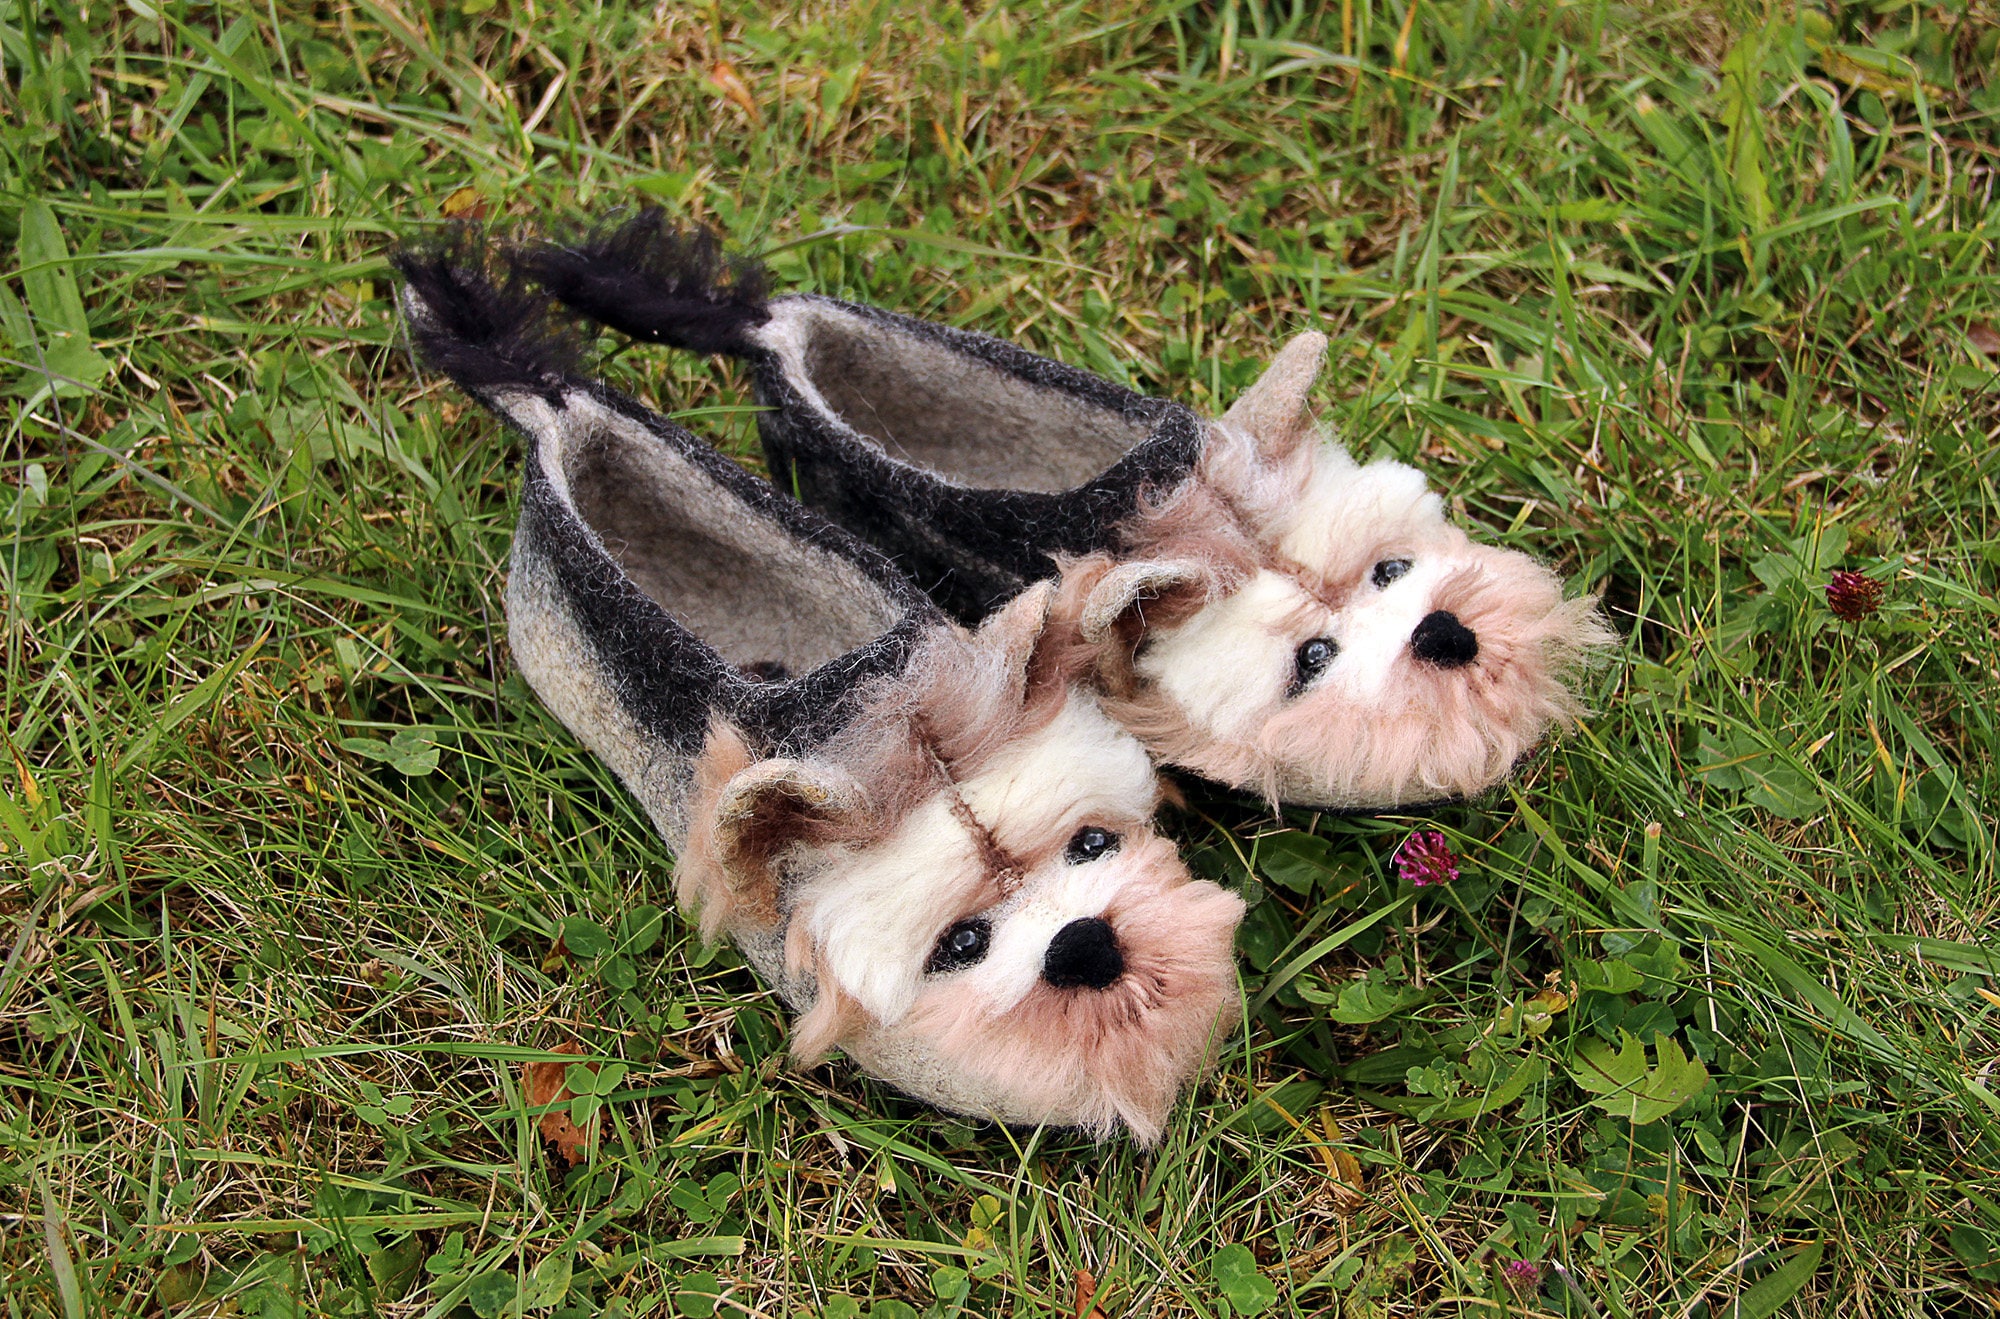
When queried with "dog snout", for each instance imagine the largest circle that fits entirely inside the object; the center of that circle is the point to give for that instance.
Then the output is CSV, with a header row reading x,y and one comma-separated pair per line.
x,y
1442,640
1084,954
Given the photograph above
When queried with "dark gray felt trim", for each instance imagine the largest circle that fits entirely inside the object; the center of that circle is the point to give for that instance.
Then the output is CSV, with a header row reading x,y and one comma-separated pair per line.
x,y
498,343
669,678
972,519
972,547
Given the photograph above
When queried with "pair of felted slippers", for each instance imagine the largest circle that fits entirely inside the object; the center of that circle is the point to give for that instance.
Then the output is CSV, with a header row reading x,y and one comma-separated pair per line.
x,y
924,811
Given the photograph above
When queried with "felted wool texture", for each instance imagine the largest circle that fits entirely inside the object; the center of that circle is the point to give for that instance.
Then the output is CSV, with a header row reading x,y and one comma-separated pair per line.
x,y
1313,546
907,776
1224,547
822,589
967,459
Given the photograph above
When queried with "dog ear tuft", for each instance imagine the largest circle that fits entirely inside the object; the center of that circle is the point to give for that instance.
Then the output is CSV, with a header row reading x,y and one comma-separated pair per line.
x,y
1132,585
1275,411
1015,632
772,805
748,813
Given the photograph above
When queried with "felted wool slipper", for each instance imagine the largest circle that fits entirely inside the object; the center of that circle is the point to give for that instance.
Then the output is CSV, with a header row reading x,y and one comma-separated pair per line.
x,y
1253,604
931,844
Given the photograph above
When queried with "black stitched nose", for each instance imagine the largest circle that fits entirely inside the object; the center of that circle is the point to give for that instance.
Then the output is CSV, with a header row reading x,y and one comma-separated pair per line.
x,y
1444,641
1083,953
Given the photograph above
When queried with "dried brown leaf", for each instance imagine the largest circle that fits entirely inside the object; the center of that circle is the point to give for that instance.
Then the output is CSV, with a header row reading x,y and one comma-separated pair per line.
x,y
545,1084
1982,335
730,83
1342,1168
1086,1296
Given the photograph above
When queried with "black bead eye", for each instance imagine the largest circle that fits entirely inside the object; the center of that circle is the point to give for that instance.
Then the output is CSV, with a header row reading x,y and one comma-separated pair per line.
x,y
964,944
1310,661
1090,843
1388,571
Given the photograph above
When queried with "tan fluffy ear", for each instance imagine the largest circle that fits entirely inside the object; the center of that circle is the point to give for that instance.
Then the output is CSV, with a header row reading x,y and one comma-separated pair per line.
x,y
1129,586
742,825
1013,633
772,805
1274,411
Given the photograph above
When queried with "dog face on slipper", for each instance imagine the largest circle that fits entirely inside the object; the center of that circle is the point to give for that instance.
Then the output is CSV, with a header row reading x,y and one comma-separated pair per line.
x,y
968,888
1315,629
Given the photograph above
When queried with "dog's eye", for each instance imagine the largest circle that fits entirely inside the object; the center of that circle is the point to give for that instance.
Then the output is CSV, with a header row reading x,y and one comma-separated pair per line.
x,y
1310,661
963,945
1388,571
1090,843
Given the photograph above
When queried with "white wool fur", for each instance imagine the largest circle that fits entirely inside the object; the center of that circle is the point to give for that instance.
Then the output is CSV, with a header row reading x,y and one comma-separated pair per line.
x,y
1374,628
1343,502
1079,769
1228,662
877,913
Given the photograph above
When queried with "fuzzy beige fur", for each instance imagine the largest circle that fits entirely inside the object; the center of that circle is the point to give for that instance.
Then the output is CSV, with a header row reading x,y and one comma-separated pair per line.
x,y
979,766
1191,635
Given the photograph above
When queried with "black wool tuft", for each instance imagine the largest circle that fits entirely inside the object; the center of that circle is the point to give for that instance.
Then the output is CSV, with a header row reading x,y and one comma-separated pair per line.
x,y
655,281
482,334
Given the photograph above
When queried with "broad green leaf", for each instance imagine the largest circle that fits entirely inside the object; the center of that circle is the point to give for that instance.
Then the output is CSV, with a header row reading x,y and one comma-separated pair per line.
x,y
696,1298
16,324
1784,792
413,753
580,1079
549,1283
1280,1107
46,276
585,937
1743,113
62,327
1740,762
1489,1097
1359,1002
1977,1251
366,746
1297,861
948,1282
393,1268
641,929
449,1257
490,1294
1236,1276
1614,976
1627,1087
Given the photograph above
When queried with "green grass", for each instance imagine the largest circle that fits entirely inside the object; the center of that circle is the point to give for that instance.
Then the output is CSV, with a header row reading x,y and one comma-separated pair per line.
x,y
1701,304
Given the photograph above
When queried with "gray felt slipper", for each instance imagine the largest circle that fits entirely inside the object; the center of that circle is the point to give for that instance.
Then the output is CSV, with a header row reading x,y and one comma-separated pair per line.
x,y
1250,601
929,841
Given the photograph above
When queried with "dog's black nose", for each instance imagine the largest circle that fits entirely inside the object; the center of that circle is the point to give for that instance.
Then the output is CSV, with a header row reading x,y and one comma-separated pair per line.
x,y
1083,953
1444,641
